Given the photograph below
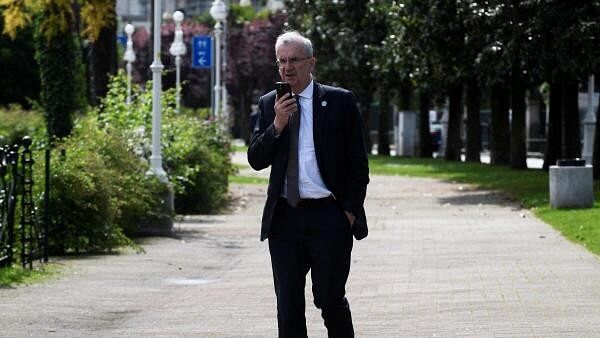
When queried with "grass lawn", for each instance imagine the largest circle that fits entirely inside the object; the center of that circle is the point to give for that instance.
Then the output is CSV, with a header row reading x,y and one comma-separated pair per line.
x,y
528,187
238,179
15,275
240,148
243,179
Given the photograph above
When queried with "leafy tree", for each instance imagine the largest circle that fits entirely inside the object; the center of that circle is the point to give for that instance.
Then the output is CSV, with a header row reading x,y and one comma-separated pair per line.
x,y
567,35
343,34
196,86
59,61
447,32
196,90
98,21
20,80
406,55
251,67
523,60
99,18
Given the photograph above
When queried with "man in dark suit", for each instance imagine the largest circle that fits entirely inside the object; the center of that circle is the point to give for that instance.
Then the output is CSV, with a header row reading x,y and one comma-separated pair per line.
x,y
314,143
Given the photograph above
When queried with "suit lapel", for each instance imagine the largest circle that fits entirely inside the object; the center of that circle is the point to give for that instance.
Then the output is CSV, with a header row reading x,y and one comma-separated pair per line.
x,y
318,115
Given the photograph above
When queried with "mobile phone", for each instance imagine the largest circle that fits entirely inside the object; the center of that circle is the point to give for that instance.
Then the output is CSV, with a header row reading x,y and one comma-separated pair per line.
x,y
282,88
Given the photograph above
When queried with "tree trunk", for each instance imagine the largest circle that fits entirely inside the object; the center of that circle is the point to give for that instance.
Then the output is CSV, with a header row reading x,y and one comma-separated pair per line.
x,y
103,61
365,108
425,142
405,95
553,137
518,148
473,121
244,118
383,140
570,120
499,125
453,141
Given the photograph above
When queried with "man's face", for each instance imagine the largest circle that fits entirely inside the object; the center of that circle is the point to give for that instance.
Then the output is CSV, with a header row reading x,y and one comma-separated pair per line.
x,y
295,65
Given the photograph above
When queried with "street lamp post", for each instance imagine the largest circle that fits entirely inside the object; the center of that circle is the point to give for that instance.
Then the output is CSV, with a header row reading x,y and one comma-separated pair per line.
x,y
178,49
589,124
156,167
218,11
129,57
224,108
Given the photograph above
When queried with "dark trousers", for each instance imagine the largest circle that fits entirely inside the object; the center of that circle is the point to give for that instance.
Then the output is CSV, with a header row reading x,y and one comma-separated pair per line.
x,y
316,238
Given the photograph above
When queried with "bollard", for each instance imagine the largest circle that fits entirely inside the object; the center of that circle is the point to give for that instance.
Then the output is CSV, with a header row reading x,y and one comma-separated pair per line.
x,y
571,184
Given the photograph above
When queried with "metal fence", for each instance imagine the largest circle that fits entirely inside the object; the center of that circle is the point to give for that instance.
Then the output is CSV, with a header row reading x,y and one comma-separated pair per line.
x,y
20,230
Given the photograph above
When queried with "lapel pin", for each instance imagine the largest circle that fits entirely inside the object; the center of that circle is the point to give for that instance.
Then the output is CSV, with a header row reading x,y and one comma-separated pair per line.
x,y
323,103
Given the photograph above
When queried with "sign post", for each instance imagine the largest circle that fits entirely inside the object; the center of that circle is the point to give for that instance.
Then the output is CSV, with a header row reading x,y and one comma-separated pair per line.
x,y
201,51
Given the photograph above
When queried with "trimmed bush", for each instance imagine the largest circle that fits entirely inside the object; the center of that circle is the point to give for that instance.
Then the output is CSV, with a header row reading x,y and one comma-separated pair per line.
x,y
196,154
15,122
197,158
99,192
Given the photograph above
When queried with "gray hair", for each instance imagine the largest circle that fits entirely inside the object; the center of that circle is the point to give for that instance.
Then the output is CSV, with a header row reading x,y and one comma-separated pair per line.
x,y
294,37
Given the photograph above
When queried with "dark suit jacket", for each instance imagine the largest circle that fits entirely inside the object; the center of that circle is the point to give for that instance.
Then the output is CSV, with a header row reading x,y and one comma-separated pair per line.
x,y
338,132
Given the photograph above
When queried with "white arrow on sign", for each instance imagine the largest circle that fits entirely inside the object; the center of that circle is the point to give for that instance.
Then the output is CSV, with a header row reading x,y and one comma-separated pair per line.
x,y
202,60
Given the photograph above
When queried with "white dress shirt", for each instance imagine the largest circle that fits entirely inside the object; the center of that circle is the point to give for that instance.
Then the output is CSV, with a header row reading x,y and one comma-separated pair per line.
x,y
310,182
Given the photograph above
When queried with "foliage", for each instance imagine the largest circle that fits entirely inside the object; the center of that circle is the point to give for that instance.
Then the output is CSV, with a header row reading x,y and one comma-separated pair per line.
x,y
195,151
240,179
16,16
58,16
239,15
97,14
20,80
59,64
527,187
196,88
98,190
251,68
344,34
17,122
14,275
197,158
54,21
102,50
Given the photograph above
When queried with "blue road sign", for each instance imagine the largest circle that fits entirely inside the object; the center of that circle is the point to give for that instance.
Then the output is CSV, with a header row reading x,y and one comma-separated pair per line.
x,y
201,51
122,39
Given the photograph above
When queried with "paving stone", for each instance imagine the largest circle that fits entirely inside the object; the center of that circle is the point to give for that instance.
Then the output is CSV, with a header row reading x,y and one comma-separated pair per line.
x,y
441,260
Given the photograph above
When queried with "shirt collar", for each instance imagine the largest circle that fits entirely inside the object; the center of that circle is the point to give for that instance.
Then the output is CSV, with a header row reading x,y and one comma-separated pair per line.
x,y
308,91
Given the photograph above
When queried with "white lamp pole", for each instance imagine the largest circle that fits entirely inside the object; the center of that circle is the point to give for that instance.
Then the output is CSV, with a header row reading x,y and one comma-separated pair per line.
x,y
218,11
589,124
129,56
156,67
177,49
225,109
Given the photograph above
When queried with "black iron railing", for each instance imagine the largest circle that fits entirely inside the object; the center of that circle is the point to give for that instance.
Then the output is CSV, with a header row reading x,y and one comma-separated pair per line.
x,y
16,199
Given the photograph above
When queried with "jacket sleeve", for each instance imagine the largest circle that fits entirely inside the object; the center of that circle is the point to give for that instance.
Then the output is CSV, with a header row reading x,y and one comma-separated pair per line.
x,y
357,163
263,142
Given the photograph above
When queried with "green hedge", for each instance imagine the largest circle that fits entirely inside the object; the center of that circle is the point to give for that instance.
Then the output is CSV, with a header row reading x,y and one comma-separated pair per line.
x,y
16,122
99,193
196,153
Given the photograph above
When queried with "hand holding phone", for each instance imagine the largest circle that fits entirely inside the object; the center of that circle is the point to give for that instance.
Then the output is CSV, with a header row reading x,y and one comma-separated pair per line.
x,y
282,88
283,108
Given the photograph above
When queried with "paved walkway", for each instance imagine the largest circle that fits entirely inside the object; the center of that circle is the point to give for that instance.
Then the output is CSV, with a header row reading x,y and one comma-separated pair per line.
x,y
441,260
